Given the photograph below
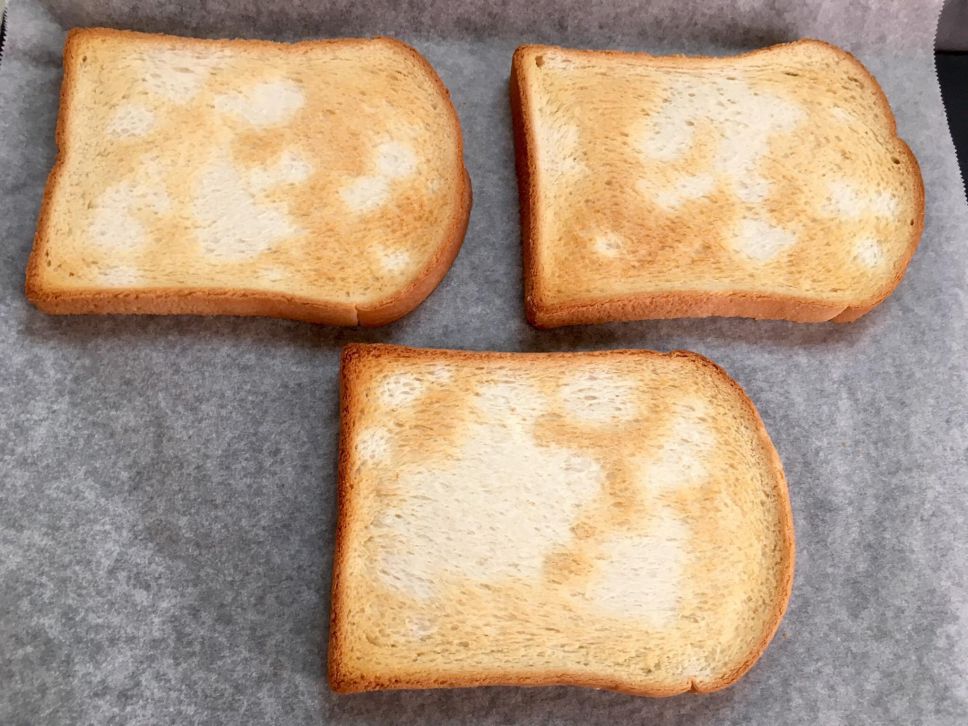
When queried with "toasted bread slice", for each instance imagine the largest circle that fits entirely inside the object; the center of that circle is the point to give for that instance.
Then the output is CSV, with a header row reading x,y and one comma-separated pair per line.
x,y
321,180
613,519
765,185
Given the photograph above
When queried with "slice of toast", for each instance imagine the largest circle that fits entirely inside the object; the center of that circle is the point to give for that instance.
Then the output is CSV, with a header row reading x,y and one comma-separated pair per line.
x,y
321,180
609,519
766,185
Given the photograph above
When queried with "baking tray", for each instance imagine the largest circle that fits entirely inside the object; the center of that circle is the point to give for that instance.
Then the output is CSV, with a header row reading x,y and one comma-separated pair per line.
x,y
166,484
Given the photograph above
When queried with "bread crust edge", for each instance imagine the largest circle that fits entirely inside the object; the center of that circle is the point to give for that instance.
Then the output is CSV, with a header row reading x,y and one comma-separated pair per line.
x,y
238,301
343,679
685,304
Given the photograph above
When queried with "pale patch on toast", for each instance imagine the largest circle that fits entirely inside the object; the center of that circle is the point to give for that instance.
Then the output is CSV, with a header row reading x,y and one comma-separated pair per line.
x,y
851,201
844,199
744,123
395,160
373,444
843,115
178,75
759,240
114,228
421,626
743,182
559,150
520,532
608,244
366,193
521,397
269,103
641,577
120,276
400,389
233,223
752,121
394,260
116,224
441,373
131,119
870,252
292,167
273,274
596,397
685,189
885,204
680,458
667,134
498,528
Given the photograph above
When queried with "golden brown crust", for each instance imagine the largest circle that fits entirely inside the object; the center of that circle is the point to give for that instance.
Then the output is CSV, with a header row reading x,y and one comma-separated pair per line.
x,y
344,516
543,314
233,301
342,680
399,305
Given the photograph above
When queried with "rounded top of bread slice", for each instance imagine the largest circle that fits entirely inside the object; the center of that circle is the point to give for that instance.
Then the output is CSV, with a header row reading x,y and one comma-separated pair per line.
x,y
615,519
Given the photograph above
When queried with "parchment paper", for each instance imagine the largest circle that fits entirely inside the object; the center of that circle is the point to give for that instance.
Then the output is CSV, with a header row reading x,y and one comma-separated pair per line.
x,y
166,484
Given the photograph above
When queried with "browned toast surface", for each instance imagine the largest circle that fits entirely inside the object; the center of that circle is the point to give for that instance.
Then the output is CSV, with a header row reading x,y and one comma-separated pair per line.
x,y
321,180
616,519
769,185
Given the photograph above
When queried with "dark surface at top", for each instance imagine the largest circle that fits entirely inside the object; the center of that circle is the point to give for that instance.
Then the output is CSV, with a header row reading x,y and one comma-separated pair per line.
x,y
953,77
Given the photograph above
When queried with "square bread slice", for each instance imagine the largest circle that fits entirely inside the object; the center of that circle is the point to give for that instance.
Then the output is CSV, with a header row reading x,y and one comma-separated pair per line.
x,y
322,180
609,519
766,185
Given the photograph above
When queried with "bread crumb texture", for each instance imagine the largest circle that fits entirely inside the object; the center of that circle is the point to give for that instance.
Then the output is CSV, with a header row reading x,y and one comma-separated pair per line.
x,y
324,170
776,173
617,520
